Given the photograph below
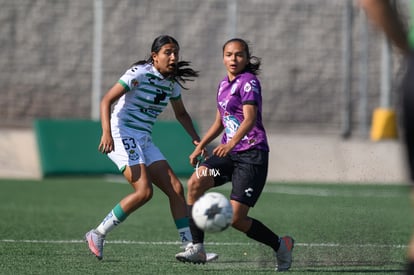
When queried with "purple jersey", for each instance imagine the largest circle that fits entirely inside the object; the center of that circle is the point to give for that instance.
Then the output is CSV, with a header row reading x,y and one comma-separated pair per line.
x,y
244,89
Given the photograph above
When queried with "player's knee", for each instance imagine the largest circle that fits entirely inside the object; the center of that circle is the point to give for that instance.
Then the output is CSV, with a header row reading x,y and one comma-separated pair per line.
x,y
240,223
193,184
147,196
143,195
178,188
194,190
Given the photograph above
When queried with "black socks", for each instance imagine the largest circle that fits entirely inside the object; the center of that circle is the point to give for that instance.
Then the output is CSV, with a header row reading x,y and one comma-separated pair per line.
x,y
262,234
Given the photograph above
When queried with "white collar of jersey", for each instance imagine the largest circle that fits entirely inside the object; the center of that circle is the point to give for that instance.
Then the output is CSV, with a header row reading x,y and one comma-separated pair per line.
x,y
157,73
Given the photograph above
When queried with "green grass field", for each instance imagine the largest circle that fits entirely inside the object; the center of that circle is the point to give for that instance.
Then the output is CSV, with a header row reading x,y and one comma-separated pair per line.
x,y
339,229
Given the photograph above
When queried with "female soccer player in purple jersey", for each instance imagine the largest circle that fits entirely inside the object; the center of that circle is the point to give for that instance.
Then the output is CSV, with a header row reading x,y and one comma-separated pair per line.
x,y
141,94
242,156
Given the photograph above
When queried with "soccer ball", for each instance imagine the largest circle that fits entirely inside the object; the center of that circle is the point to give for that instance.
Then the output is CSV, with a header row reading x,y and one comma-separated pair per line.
x,y
212,212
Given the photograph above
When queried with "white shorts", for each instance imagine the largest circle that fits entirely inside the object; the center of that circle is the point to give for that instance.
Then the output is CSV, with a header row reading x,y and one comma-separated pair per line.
x,y
132,148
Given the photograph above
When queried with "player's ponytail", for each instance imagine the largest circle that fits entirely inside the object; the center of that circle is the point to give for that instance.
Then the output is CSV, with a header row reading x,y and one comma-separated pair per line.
x,y
184,73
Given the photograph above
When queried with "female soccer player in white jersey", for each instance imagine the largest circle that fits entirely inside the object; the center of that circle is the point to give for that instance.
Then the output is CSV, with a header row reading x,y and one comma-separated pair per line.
x,y
242,156
142,93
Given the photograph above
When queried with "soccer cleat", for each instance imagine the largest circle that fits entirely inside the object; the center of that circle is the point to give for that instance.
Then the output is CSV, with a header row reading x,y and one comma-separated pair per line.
x,y
209,256
284,253
194,253
95,242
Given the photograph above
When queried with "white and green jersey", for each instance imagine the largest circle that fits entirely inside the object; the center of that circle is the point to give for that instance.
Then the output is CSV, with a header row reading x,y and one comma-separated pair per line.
x,y
148,93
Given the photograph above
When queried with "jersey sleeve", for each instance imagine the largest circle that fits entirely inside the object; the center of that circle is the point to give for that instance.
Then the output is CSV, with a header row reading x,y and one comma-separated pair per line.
x,y
250,91
131,77
176,92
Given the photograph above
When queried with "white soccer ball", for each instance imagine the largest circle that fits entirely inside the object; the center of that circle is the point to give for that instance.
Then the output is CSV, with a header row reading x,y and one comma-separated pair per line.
x,y
212,212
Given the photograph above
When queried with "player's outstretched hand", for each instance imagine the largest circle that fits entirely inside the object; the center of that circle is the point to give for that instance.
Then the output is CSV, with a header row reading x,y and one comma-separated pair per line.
x,y
106,145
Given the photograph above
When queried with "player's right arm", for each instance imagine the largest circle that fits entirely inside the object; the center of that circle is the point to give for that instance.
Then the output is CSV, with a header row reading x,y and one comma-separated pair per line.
x,y
214,131
107,143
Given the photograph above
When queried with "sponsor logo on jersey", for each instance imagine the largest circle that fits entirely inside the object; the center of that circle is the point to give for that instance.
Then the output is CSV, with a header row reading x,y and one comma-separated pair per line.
x,y
223,104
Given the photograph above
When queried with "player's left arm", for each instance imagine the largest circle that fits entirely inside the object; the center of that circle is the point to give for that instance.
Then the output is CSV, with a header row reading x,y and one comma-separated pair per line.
x,y
384,16
250,116
184,118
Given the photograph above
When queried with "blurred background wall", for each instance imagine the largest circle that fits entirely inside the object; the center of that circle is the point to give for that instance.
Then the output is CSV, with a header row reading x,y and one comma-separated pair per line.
x,y
321,61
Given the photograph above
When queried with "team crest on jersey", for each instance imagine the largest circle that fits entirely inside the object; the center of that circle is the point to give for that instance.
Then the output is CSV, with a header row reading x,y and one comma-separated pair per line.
x,y
233,88
133,155
247,87
134,83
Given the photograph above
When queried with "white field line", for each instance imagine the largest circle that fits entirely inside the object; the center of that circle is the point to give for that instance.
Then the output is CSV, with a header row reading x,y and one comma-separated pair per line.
x,y
301,190
324,192
126,242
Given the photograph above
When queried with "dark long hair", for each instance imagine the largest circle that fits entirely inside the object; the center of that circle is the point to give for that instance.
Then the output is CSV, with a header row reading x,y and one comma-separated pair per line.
x,y
182,71
254,62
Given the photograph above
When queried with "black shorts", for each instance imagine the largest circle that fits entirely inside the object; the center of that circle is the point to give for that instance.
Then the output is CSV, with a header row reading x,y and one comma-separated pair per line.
x,y
246,170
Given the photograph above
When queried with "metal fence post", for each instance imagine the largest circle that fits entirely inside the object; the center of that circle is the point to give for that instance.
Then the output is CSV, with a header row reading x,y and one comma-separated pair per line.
x,y
347,69
97,59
